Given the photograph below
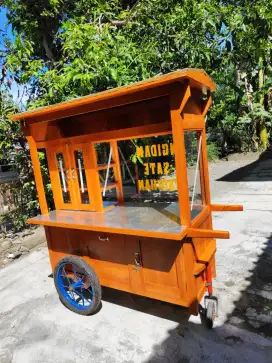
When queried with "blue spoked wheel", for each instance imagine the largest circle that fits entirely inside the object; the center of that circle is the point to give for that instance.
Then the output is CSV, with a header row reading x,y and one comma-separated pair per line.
x,y
77,285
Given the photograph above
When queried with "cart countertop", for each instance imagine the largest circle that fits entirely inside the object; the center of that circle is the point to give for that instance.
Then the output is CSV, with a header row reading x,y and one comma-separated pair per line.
x,y
142,221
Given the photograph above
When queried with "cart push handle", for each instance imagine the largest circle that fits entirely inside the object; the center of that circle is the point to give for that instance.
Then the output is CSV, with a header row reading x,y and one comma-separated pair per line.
x,y
207,233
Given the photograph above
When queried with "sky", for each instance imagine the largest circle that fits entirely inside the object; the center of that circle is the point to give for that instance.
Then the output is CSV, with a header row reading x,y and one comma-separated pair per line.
x,y
4,26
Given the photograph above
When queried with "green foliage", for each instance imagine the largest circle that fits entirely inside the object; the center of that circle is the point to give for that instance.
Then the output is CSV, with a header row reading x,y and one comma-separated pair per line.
x,y
66,48
212,150
14,152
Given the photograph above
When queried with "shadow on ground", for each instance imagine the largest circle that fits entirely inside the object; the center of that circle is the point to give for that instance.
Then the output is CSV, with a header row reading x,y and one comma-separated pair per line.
x,y
253,311
194,342
146,305
259,171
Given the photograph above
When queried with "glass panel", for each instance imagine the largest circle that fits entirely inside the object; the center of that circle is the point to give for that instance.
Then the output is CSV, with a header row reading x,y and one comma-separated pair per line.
x,y
81,177
46,179
149,173
63,178
105,177
106,173
102,153
108,189
193,146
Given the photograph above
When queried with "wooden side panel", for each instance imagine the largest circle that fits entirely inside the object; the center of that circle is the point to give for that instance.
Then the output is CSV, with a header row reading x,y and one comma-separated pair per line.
x,y
57,241
46,131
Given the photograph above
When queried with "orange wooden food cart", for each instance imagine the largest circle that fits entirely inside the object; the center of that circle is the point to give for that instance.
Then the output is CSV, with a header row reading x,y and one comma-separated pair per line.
x,y
129,175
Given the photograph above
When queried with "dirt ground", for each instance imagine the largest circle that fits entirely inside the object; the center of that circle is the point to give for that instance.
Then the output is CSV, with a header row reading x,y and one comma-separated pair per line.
x,y
15,245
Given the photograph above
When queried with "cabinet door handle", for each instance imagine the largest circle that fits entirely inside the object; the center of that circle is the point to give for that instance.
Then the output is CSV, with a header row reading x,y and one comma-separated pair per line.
x,y
73,174
67,174
137,259
103,239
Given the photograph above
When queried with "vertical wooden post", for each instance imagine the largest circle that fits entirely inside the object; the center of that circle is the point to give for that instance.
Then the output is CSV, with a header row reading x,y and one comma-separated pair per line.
x,y
176,102
54,178
1,199
205,108
205,165
117,172
201,169
37,174
94,174
191,290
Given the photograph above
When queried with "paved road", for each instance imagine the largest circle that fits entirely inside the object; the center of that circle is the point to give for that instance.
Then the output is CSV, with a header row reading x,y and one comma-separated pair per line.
x,y
36,328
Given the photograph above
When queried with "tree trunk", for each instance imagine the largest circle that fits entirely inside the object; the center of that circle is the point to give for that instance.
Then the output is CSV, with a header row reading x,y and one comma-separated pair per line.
x,y
249,91
263,130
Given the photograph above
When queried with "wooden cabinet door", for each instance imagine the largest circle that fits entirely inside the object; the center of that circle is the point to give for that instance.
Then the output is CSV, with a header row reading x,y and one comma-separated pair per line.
x,y
60,175
70,174
156,267
81,176
107,253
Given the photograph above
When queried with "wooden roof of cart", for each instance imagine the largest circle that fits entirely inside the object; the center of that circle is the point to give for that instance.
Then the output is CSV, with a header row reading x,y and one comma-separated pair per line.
x,y
197,78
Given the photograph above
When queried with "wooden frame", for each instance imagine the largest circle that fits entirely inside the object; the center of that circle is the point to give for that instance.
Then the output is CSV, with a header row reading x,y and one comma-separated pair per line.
x,y
177,253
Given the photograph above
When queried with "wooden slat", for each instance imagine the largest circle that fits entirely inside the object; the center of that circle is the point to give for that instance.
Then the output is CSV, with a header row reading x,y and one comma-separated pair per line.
x,y
192,122
185,97
207,233
109,186
226,208
163,128
208,253
105,166
207,105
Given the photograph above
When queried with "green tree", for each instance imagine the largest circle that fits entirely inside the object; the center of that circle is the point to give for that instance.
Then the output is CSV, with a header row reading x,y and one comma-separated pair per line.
x,y
64,49
250,28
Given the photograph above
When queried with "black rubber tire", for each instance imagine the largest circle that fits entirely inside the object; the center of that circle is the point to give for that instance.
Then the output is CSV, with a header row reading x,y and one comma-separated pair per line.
x,y
92,279
210,314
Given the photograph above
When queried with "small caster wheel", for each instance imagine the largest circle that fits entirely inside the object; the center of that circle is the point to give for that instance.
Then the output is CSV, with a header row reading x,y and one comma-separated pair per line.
x,y
77,285
210,314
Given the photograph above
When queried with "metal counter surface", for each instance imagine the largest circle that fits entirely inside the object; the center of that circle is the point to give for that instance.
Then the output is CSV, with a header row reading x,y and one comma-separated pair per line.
x,y
135,220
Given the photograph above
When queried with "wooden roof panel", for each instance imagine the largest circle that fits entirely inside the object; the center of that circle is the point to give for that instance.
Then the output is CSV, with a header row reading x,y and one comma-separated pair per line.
x,y
197,77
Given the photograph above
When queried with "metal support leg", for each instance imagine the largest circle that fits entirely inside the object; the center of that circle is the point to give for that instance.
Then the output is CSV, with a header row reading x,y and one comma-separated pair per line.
x,y
210,288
